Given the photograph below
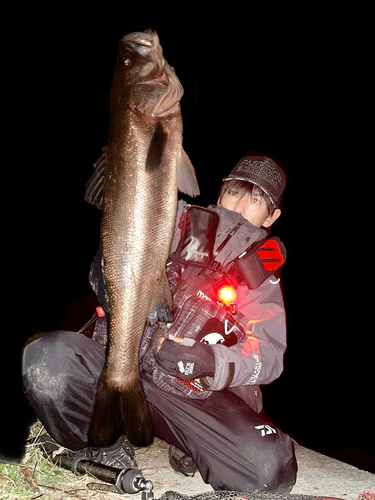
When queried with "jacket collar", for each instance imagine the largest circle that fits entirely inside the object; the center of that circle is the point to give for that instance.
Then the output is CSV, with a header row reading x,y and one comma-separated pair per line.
x,y
245,234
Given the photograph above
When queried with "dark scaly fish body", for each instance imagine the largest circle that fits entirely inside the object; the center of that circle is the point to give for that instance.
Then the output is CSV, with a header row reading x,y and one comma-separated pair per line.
x,y
136,188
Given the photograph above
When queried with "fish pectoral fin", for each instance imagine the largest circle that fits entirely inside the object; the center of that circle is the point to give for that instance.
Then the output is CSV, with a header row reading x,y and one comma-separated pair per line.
x,y
162,307
186,178
156,148
95,186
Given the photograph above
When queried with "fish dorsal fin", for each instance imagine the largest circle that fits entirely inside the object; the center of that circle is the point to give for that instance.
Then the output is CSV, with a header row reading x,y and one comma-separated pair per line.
x,y
169,102
95,186
186,179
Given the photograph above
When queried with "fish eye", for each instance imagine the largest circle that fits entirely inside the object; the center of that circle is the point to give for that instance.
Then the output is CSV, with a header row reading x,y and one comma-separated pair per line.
x,y
127,60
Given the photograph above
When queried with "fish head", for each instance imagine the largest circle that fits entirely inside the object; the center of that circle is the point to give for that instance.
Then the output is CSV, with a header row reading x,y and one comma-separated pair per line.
x,y
140,57
140,61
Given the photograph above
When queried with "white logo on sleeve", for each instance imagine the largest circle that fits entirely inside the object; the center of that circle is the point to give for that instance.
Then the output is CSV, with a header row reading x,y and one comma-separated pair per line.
x,y
186,370
265,429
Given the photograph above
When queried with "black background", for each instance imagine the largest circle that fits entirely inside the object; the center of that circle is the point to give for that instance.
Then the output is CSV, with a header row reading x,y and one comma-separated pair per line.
x,y
270,81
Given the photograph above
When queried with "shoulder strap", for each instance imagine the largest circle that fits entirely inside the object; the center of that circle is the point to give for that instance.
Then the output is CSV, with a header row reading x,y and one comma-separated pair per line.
x,y
260,261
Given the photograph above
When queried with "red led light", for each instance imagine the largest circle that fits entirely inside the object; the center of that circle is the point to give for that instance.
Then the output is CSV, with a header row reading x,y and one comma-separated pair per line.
x,y
226,294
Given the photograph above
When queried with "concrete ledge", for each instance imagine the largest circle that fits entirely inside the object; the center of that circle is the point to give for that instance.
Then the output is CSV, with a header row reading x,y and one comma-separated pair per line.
x,y
317,475
322,475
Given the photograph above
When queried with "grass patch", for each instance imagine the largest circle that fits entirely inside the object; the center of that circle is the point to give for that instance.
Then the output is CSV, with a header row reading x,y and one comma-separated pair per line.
x,y
37,477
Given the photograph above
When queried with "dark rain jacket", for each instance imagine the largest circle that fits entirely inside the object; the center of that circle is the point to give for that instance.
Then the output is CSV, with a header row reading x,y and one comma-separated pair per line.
x,y
259,358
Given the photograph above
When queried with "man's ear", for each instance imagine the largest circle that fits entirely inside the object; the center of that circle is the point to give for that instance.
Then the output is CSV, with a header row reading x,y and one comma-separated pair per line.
x,y
271,218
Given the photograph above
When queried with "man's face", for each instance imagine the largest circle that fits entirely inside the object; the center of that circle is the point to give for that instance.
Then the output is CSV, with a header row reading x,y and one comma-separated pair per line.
x,y
252,207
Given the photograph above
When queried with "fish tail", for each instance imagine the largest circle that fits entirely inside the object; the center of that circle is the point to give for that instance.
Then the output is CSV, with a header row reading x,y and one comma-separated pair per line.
x,y
118,412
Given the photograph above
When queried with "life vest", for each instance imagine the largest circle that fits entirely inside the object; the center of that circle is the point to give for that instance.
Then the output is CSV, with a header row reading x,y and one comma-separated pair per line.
x,y
205,302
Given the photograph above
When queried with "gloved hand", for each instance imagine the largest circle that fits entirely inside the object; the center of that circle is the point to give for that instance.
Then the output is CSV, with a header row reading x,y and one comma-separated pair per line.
x,y
184,361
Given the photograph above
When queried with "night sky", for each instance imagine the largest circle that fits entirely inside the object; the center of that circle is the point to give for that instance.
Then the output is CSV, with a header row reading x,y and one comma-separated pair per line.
x,y
266,81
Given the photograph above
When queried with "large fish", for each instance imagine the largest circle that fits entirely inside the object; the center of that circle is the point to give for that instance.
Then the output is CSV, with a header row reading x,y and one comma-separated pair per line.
x,y
136,187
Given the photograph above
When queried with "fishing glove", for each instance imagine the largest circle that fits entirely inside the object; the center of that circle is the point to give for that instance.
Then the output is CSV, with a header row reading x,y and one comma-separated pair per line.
x,y
186,361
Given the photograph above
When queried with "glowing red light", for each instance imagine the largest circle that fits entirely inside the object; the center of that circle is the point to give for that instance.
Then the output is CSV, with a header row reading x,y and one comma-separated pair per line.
x,y
226,294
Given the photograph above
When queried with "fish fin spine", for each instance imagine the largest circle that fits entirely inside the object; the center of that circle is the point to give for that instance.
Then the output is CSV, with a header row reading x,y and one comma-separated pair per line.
x,y
95,186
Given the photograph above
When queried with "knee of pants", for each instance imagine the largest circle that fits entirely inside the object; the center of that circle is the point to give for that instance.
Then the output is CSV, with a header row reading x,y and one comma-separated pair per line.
x,y
51,362
43,371
276,465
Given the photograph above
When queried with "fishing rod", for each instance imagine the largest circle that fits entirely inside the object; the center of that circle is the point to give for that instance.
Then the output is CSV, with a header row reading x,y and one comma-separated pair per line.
x,y
119,480
127,480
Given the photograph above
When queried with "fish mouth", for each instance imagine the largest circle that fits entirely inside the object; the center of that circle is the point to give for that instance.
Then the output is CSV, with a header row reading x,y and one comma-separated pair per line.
x,y
142,42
